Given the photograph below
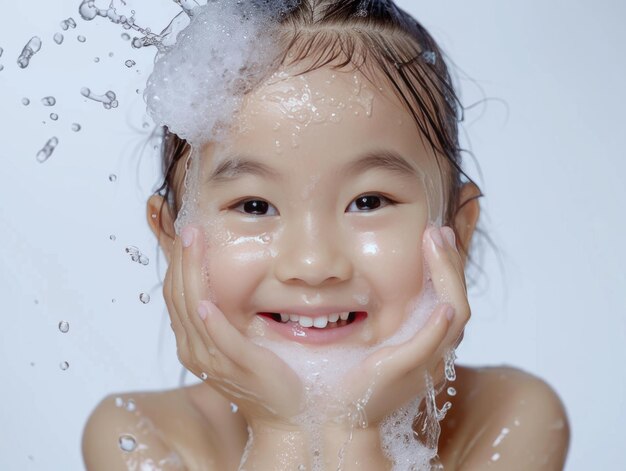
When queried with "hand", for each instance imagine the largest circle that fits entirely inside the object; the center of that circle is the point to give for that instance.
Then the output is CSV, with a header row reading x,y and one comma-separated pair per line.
x,y
254,378
393,375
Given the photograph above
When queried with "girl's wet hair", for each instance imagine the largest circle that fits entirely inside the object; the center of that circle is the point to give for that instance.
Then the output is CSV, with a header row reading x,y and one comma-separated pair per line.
x,y
377,38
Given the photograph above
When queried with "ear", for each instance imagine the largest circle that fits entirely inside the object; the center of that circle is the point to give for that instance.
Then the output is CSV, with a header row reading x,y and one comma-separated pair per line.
x,y
466,217
161,222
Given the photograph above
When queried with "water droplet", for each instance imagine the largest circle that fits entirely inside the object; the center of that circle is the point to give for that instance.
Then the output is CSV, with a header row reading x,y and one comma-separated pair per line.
x,y
449,371
1,51
1,67
234,407
69,23
143,260
64,326
451,391
112,177
64,365
111,54
112,237
30,49
495,457
430,57
144,298
119,402
136,255
54,116
48,101
145,125
32,363
113,300
96,59
301,467
45,153
129,63
58,38
125,36
127,443
76,127
25,101
108,100
81,38
131,406
203,376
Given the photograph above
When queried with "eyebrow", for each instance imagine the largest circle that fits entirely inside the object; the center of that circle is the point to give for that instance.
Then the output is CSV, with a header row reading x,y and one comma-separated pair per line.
x,y
382,159
236,166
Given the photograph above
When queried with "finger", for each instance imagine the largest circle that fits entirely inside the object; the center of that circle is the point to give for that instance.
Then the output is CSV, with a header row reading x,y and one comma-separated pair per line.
x,y
227,339
443,261
177,327
195,341
423,345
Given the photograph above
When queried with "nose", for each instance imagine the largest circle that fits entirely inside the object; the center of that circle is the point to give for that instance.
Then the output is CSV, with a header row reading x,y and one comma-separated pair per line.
x,y
312,253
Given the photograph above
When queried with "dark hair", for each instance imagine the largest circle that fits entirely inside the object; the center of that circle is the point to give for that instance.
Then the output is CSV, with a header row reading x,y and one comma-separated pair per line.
x,y
373,35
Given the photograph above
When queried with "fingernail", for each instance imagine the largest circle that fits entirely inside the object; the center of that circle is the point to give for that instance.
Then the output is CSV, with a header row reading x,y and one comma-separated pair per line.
x,y
449,312
187,235
203,312
435,235
448,233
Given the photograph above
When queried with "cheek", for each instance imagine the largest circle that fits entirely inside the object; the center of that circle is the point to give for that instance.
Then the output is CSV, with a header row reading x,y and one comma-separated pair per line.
x,y
392,261
233,269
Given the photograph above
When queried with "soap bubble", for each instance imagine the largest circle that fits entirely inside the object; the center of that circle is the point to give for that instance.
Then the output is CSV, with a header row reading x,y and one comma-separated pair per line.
x,y
144,298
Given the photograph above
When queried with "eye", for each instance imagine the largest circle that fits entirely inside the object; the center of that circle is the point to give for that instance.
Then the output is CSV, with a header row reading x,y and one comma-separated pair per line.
x,y
365,203
256,207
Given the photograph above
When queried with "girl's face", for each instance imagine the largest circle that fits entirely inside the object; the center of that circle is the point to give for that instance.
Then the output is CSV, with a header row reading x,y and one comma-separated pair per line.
x,y
315,206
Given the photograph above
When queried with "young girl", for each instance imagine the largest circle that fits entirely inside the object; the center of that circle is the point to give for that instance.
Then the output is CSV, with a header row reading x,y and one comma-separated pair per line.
x,y
315,281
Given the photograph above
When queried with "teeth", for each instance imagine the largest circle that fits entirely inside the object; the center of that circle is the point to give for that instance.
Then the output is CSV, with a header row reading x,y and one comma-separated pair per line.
x,y
320,322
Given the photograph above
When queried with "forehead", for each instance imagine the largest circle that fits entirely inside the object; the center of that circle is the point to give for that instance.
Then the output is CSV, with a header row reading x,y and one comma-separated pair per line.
x,y
323,112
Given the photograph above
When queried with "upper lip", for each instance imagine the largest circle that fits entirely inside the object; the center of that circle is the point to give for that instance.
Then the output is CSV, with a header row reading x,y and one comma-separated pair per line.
x,y
312,312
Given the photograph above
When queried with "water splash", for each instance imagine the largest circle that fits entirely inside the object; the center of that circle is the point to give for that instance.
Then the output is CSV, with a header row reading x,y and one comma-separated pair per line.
x,y
47,150
108,100
69,23
48,101
129,63
31,48
136,255
64,327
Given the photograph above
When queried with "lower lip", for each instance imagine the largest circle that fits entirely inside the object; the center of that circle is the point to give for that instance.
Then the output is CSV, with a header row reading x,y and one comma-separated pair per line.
x,y
312,335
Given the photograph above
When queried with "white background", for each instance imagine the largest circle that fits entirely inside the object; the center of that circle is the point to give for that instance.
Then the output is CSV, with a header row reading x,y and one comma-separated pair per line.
x,y
549,143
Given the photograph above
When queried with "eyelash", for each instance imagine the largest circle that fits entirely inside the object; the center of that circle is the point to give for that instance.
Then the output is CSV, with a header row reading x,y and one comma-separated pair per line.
x,y
385,201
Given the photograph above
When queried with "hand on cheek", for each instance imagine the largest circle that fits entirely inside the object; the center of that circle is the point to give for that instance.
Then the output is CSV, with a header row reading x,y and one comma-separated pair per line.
x,y
215,351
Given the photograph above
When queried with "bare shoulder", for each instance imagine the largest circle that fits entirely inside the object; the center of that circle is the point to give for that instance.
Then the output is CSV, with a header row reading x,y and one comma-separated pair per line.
x,y
505,418
141,430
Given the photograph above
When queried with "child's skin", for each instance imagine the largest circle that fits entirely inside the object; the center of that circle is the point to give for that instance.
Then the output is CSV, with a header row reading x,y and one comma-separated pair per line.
x,y
500,419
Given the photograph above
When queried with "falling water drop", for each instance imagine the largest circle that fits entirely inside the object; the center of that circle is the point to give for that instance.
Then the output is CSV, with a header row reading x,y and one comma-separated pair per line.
x,y
449,371
451,391
129,63
25,101
112,237
234,407
64,365
108,100
64,326
81,38
31,48
49,101
1,67
96,59
47,150
1,51
69,23
131,406
127,443
58,38
203,376
54,116
144,298
125,36
112,177
76,127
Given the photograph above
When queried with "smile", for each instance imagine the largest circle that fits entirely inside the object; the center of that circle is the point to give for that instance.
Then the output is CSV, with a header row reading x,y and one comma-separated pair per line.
x,y
315,329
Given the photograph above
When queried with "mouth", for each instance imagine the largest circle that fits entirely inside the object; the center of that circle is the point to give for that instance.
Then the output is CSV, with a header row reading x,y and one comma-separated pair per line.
x,y
314,329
